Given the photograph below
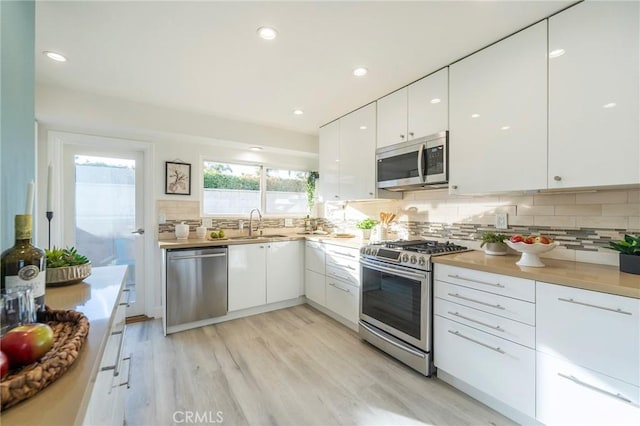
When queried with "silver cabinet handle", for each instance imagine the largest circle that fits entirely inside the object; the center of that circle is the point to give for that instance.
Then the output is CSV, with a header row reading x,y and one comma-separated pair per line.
x,y
386,339
342,254
342,277
128,382
340,288
595,388
495,327
476,281
138,231
616,310
476,301
457,333
128,302
199,256
116,367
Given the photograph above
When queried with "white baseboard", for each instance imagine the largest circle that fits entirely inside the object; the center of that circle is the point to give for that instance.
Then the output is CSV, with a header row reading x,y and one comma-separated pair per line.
x,y
333,315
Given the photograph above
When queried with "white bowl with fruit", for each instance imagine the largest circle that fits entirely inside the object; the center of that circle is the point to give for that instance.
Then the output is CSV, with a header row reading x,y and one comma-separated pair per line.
x,y
531,247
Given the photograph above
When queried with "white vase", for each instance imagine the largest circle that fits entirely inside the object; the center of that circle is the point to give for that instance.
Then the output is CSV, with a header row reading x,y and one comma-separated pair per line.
x,y
495,249
182,231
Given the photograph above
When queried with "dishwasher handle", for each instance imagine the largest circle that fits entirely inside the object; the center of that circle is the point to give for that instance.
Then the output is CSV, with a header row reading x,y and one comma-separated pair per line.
x,y
197,256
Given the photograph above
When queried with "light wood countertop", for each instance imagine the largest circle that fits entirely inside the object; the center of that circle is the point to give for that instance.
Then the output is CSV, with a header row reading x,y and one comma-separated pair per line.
x,y
588,276
197,243
64,402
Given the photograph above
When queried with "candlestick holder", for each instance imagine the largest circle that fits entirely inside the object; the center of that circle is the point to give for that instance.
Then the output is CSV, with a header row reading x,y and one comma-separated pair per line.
x,y
49,217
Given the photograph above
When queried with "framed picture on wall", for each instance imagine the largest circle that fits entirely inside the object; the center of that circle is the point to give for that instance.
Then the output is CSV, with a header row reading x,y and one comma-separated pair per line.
x,y
177,178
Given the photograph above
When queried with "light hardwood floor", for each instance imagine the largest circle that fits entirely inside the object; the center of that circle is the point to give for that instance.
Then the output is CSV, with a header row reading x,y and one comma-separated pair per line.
x,y
294,366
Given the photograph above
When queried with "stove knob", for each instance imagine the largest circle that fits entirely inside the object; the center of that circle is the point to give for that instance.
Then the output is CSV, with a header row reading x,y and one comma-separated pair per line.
x,y
367,251
414,259
422,261
405,258
374,252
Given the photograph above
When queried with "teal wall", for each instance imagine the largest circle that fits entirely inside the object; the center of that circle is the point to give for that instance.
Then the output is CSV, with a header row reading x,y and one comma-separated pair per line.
x,y
17,111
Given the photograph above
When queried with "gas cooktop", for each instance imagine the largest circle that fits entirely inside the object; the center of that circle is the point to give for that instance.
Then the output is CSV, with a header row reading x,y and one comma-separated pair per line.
x,y
414,254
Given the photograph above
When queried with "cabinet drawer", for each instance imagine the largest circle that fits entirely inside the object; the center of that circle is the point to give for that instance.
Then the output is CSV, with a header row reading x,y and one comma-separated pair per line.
x,y
595,330
314,287
106,406
567,394
501,327
343,299
344,273
498,305
518,288
500,368
341,255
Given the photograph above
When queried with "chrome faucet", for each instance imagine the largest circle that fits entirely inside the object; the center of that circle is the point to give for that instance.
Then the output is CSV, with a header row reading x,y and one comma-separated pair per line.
x,y
251,220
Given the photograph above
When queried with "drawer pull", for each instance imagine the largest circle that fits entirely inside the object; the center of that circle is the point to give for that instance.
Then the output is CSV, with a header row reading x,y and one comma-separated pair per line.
x,y
128,382
116,367
127,303
342,277
495,327
476,281
342,254
340,288
457,333
476,301
617,310
595,388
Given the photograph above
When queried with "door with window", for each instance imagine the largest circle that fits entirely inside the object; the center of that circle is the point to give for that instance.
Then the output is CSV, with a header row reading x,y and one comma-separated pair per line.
x,y
104,211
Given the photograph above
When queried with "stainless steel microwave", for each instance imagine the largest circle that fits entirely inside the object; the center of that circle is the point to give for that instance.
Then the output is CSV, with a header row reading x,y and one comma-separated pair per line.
x,y
421,162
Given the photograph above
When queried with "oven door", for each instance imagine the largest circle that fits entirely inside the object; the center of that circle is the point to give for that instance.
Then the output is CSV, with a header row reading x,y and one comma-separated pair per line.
x,y
397,300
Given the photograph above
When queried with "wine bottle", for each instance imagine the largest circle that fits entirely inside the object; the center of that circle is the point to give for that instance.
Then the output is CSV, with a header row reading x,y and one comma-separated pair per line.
x,y
23,264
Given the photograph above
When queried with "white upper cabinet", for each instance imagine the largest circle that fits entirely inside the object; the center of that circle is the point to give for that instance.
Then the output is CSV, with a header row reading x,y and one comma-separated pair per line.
x,y
392,118
358,154
498,116
428,105
418,110
593,95
328,168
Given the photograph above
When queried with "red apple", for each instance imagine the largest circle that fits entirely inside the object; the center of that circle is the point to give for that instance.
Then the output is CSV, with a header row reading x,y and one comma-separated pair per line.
x,y
529,240
27,343
516,238
4,365
544,240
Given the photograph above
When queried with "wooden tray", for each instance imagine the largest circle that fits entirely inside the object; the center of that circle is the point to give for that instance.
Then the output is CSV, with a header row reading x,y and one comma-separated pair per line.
x,y
70,330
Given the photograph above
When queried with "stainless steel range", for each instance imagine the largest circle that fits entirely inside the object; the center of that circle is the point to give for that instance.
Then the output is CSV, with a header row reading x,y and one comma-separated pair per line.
x,y
396,298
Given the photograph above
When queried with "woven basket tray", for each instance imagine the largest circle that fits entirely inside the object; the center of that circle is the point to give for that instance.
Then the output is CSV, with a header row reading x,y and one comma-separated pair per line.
x,y
70,330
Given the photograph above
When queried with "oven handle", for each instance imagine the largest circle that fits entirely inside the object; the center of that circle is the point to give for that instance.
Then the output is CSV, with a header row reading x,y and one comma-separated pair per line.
x,y
395,271
386,339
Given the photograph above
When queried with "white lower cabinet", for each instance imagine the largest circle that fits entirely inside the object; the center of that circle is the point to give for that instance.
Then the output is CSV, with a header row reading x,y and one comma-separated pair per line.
x,y
343,299
314,284
568,394
284,270
497,367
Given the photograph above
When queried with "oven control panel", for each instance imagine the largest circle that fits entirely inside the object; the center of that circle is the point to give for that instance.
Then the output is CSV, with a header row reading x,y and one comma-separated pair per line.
x,y
399,257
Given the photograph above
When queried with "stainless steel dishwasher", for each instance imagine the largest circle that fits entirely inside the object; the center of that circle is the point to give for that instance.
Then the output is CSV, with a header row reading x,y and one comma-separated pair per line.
x,y
196,287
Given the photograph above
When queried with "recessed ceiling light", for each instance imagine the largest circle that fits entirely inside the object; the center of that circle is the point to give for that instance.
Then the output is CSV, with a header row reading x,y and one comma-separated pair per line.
x,y
363,127
435,101
359,72
475,115
55,56
256,148
609,105
505,127
267,33
556,52
298,112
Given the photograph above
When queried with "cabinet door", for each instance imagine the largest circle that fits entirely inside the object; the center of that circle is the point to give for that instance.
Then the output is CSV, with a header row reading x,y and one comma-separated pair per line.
x,y
284,270
428,105
247,273
343,299
392,118
314,257
502,369
567,394
358,154
593,95
498,116
596,330
329,162
314,284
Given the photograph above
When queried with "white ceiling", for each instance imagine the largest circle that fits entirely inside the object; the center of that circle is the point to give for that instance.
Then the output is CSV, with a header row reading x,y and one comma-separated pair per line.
x,y
205,56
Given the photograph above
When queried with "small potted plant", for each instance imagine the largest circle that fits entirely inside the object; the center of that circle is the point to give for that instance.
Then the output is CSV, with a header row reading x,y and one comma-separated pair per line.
x,y
66,266
366,225
629,249
494,243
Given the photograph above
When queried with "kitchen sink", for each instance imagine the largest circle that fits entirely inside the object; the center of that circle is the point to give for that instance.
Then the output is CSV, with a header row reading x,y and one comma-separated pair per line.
x,y
274,236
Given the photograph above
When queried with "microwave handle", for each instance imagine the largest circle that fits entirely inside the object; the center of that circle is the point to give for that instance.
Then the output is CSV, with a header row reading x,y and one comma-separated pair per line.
x,y
420,160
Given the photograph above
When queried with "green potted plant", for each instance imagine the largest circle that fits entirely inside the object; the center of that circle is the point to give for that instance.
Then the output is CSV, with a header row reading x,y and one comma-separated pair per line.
x,y
629,249
311,189
366,225
66,266
494,243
